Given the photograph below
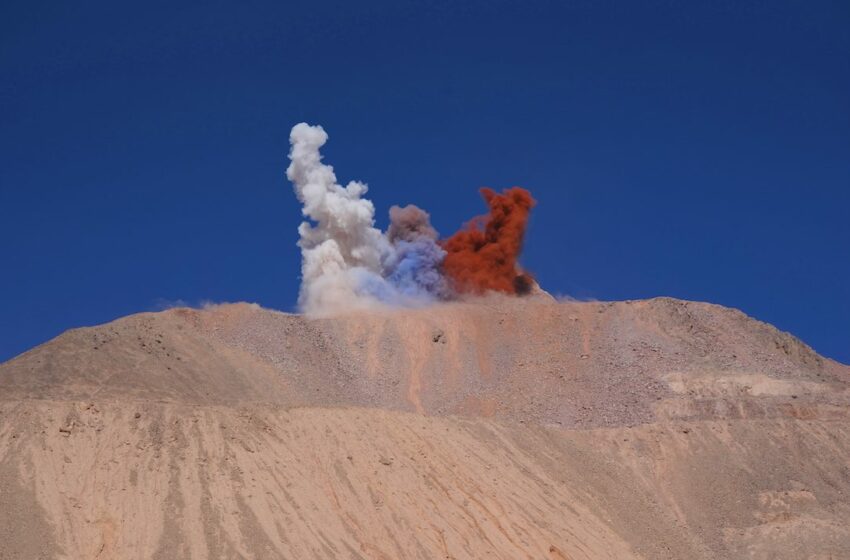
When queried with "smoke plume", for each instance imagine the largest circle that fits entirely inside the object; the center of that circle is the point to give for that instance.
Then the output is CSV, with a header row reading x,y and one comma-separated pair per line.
x,y
483,256
414,268
348,263
342,253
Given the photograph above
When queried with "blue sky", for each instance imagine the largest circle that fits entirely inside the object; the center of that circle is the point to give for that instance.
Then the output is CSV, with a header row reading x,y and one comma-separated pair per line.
x,y
694,150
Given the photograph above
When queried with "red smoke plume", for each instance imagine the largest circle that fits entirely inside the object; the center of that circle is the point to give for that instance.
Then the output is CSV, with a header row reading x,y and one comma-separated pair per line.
x,y
483,255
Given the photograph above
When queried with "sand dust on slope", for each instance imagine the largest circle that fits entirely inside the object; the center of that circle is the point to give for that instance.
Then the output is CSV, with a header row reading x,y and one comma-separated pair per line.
x,y
149,480
499,429
317,483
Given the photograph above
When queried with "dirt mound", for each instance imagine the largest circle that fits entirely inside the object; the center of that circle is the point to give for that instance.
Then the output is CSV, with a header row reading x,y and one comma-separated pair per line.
x,y
501,428
567,364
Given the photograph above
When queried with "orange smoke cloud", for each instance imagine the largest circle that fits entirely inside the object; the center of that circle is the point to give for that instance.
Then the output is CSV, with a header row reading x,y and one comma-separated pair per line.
x,y
483,255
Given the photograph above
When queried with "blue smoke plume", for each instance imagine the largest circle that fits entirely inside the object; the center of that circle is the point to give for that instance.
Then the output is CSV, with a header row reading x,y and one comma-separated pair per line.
x,y
414,269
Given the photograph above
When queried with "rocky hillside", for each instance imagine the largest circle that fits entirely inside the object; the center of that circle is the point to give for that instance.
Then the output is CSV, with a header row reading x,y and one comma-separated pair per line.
x,y
502,428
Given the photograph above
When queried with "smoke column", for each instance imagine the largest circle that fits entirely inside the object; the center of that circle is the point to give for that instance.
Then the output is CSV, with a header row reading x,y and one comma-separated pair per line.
x,y
483,256
342,253
348,263
415,267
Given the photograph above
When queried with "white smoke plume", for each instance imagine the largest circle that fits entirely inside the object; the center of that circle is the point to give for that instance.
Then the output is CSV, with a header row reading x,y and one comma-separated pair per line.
x,y
347,262
343,251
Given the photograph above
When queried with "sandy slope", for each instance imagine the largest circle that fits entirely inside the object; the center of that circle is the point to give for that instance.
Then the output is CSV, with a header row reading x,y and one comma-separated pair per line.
x,y
500,429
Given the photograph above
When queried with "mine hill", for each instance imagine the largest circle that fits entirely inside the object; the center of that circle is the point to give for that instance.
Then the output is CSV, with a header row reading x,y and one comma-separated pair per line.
x,y
500,428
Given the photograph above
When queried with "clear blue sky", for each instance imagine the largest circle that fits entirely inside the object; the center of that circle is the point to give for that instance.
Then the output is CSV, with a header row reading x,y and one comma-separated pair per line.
x,y
699,150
